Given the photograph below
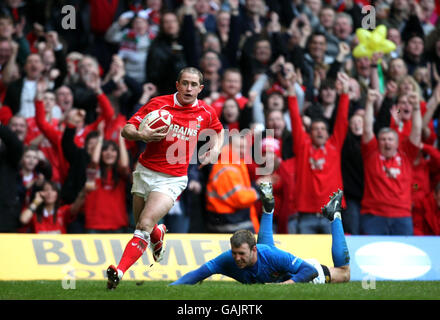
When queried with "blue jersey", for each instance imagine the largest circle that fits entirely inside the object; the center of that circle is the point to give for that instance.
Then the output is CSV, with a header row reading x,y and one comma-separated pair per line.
x,y
273,265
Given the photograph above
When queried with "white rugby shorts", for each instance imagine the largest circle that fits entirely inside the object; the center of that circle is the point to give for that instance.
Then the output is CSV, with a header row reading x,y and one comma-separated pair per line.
x,y
146,180
320,279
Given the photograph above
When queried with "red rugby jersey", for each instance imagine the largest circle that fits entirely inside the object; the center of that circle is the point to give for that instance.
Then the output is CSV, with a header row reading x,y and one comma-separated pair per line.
x,y
318,169
172,154
388,182
48,225
51,146
218,104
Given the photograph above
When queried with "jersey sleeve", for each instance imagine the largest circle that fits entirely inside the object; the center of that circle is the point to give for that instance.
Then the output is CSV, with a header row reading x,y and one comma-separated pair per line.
x,y
137,118
219,264
194,276
66,212
298,133
305,273
368,148
341,123
410,149
49,131
214,122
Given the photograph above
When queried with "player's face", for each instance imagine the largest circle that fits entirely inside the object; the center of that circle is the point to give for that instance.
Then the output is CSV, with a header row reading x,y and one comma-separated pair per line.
x,y
188,88
243,255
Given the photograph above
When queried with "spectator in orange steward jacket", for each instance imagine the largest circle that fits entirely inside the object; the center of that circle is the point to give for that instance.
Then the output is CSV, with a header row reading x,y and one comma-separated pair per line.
x,y
230,197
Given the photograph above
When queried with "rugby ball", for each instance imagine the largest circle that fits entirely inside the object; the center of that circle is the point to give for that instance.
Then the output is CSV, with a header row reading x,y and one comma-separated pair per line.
x,y
156,119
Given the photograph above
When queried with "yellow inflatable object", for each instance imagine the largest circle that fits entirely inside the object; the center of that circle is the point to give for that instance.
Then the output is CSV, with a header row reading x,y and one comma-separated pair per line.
x,y
371,42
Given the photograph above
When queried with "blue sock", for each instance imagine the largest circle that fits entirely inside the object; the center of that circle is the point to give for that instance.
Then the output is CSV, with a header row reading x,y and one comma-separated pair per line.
x,y
340,254
265,234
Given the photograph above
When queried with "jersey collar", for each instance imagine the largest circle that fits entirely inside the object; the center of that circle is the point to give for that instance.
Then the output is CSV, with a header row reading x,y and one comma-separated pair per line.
x,y
177,103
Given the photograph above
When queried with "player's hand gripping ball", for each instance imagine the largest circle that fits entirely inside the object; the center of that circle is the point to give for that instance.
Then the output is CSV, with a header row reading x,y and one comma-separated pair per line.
x,y
156,119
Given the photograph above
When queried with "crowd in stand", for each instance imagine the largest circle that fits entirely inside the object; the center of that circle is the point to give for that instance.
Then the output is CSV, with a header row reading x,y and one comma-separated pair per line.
x,y
283,70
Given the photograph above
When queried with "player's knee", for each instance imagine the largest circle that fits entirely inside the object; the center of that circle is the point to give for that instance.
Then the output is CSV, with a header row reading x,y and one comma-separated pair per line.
x,y
346,274
144,225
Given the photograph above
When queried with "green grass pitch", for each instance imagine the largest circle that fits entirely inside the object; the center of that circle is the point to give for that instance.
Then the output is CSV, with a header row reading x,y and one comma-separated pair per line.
x,y
218,290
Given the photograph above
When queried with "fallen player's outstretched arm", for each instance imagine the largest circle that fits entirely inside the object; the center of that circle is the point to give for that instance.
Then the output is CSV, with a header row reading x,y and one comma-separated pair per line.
x,y
305,273
194,276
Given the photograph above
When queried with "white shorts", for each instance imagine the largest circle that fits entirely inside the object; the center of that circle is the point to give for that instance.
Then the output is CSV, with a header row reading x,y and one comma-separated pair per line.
x,y
320,279
146,180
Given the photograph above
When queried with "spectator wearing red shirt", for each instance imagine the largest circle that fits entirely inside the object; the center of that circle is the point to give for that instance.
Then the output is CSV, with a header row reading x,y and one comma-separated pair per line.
x,y
105,113
398,116
231,88
28,173
426,168
51,143
388,169
429,217
46,215
318,159
105,204
233,117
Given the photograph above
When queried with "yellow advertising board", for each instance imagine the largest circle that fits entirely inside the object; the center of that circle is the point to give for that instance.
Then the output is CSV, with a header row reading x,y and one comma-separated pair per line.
x,y
87,256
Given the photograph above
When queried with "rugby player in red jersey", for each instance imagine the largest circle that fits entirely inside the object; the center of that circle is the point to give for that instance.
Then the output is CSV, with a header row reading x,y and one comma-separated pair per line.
x,y
161,175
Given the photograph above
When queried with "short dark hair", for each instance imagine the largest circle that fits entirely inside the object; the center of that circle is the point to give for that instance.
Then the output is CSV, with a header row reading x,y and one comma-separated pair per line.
x,y
388,130
91,135
320,119
327,83
190,70
243,236
30,148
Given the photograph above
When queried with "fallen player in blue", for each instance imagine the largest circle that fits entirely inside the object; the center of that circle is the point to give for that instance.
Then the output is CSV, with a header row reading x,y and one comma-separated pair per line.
x,y
250,262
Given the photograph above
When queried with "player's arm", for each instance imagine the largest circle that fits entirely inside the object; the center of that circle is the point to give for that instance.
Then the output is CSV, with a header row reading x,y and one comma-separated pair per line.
x,y
212,154
194,276
217,265
302,271
305,273
130,132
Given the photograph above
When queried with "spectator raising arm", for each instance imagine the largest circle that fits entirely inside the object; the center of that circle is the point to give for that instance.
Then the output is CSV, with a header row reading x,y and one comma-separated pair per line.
x,y
372,97
298,132
431,107
341,123
416,130
11,72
